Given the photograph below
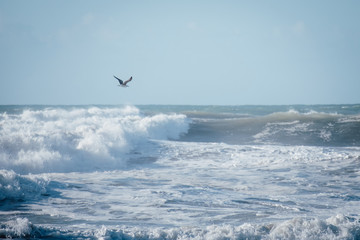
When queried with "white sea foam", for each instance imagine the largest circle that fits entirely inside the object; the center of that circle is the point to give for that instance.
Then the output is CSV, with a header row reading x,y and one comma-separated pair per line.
x,y
336,227
293,127
18,228
17,187
297,228
77,139
351,119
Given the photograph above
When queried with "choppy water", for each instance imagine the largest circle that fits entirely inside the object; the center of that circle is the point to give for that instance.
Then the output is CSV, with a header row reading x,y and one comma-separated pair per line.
x,y
180,172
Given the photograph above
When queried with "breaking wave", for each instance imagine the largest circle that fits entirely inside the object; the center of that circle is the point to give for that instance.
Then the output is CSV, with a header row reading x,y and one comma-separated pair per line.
x,y
17,187
291,127
64,139
336,227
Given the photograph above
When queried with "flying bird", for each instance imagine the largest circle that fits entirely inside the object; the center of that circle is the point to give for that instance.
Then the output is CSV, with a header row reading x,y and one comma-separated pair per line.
x,y
122,83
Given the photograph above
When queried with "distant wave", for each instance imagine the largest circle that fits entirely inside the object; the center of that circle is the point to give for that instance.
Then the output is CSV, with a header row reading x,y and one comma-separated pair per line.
x,y
288,127
66,139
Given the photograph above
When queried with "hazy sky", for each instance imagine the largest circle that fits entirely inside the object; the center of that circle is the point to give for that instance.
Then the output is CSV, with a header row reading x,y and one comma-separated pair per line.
x,y
180,52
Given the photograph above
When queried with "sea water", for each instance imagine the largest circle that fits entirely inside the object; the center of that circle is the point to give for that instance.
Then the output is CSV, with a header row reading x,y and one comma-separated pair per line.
x,y
180,172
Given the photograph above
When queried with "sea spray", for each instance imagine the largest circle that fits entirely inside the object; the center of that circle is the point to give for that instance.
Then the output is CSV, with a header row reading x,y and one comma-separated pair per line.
x,y
17,187
79,139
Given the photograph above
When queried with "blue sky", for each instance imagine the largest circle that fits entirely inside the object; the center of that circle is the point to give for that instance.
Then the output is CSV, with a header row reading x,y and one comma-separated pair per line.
x,y
180,52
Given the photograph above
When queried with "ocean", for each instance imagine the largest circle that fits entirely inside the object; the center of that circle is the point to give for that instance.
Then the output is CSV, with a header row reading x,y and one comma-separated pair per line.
x,y
180,172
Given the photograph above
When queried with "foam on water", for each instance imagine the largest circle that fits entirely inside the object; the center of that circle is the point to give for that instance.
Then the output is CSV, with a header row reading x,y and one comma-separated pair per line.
x,y
17,187
290,127
241,172
79,139
205,191
20,227
335,227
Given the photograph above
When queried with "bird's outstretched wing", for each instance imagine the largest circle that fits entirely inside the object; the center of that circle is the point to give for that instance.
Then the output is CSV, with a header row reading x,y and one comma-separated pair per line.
x,y
120,81
127,80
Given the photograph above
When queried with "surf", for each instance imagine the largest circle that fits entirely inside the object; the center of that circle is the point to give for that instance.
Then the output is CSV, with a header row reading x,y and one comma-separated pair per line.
x,y
179,172
52,139
336,227
290,127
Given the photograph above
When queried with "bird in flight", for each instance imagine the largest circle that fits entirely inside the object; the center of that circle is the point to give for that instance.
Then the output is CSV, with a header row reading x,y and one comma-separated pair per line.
x,y
122,83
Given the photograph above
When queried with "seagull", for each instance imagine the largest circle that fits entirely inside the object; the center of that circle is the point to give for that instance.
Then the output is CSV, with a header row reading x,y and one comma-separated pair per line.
x,y
122,83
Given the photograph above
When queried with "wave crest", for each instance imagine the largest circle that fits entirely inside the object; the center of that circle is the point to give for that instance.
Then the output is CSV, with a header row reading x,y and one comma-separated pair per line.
x,y
17,187
77,139
336,227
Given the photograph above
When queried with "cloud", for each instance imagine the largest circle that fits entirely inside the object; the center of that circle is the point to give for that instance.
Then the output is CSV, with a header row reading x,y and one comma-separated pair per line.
x,y
83,27
1,24
299,28
192,26
88,19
